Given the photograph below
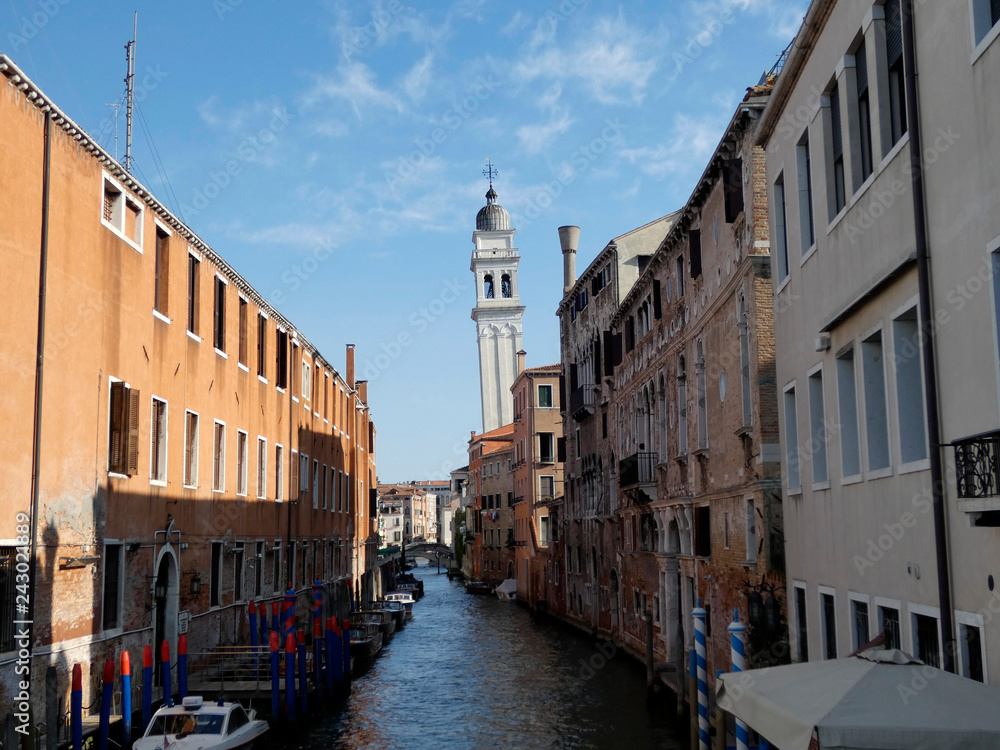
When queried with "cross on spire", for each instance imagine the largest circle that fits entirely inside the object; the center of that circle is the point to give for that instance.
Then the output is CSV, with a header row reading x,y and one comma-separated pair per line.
x,y
490,171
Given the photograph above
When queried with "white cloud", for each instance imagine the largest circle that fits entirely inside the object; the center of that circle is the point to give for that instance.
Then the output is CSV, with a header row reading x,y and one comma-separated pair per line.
x,y
416,81
692,142
535,138
331,128
611,61
356,83
517,23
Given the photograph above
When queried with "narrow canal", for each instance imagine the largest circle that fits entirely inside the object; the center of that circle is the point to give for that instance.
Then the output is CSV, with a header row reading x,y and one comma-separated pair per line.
x,y
475,672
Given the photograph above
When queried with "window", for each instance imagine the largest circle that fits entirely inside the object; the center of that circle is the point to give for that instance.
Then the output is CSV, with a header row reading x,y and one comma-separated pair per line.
x,y
323,485
219,328
732,173
751,517
241,462
703,531
123,430
258,570
113,573
985,15
873,371
281,353
158,442
505,290
744,330
860,627
864,115
801,622
113,205
121,214
780,228
261,467
545,396
694,240
682,425
244,333
219,457
699,368
837,193
160,295
792,441
194,289
239,571
909,387
970,644
190,449
294,365
829,611
261,345
546,448
546,487
888,623
488,286
215,593
817,428
926,644
276,567
805,194
303,474
279,472
306,380
894,65
679,267
315,485
847,396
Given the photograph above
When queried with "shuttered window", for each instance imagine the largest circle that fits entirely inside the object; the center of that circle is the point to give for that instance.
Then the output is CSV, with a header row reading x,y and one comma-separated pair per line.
x,y
194,288
732,174
839,193
112,587
219,336
190,449
894,65
123,428
244,332
261,346
657,300
864,112
158,441
281,359
162,270
694,237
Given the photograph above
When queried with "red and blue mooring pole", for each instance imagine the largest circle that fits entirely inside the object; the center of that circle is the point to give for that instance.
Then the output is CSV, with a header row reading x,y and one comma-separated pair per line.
x,y
107,693
76,708
182,667
165,667
126,700
303,675
275,680
147,685
290,678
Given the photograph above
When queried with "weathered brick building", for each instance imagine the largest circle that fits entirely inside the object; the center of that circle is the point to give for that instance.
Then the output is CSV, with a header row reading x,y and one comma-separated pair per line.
x,y
187,449
490,515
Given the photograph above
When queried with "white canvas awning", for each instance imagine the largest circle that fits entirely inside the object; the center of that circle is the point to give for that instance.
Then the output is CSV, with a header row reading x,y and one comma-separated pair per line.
x,y
880,700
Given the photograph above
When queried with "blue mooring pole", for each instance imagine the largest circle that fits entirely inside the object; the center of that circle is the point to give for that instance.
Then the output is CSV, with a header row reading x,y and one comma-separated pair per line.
x,y
107,693
303,675
290,678
275,679
147,685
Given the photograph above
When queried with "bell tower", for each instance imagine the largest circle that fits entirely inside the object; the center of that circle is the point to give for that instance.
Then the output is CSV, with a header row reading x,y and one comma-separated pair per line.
x,y
498,309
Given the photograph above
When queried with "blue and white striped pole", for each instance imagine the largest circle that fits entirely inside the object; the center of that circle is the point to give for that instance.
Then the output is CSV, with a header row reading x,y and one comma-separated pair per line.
x,y
699,615
737,642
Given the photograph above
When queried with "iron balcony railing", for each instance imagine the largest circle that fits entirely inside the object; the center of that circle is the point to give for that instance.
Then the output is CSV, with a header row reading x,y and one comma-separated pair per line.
x,y
581,402
977,465
637,469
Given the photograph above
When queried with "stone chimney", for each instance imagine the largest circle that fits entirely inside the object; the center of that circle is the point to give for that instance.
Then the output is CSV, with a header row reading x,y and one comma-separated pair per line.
x,y
569,238
350,366
520,361
363,391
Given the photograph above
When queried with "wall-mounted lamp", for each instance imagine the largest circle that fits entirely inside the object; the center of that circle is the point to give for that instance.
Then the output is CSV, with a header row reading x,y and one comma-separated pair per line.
x,y
160,590
195,584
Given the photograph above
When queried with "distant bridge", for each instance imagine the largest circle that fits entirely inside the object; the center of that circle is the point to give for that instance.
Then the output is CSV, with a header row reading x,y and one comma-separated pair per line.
x,y
429,550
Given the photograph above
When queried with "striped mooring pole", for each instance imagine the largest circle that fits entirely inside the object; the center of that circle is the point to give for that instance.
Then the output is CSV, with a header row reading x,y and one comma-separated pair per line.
x,y
737,643
76,708
182,667
147,685
107,694
126,699
275,680
699,615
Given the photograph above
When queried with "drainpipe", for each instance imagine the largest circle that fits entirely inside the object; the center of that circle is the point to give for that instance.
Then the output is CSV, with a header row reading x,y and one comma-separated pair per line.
x,y
927,341
36,440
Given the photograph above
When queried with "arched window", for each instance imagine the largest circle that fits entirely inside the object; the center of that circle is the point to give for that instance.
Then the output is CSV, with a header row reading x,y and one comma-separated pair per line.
x,y
505,286
488,286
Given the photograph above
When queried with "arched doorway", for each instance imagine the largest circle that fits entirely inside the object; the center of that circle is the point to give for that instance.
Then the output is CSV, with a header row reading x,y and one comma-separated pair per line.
x,y
614,600
166,595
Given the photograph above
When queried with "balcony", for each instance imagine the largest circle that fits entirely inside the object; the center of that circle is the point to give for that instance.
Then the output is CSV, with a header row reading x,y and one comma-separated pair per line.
x,y
581,403
977,472
637,470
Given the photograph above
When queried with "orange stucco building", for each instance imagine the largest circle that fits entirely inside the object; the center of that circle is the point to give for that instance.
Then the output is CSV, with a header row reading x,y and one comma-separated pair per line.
x,y
181,447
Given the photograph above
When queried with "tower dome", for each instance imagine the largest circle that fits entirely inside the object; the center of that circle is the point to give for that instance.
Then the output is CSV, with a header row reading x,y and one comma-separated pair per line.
x,y
492,217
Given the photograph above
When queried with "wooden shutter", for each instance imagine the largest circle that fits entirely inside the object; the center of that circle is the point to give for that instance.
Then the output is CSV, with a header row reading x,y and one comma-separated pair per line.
x,y
694,240
574,382
597,360
133,432
561,449
732,172
609,354
617,350
293,484
657,302
562,391
115,444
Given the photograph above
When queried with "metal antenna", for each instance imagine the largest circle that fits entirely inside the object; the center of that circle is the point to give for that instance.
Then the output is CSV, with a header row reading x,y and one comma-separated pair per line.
x,y
130,95
115,106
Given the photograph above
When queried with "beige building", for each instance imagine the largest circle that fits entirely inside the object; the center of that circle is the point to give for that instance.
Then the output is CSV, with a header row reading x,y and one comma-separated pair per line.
x,y
844,136
181,448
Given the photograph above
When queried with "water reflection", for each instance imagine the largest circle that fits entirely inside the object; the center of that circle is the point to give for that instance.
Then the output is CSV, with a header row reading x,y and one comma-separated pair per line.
x,y
475,672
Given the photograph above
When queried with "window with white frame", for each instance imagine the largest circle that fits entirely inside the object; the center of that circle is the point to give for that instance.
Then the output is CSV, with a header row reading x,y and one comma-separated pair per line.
x,y
828,613
303,474
804,180
261,467
161,284
817,428
219,457
279,472
909,387
847,397
864,116
239,571
801,623
873,372
123,429
780,228
971,658
194,293
545,396
860,623
888,624
306,381
219,327
894,106
190,449
158,442
315,484
985,17
926,639
241,462
122,214
792,440
836,190
276,567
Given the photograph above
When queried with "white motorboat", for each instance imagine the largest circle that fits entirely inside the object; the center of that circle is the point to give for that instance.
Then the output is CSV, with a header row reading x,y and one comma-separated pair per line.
x,y
507,590
197,725
403,597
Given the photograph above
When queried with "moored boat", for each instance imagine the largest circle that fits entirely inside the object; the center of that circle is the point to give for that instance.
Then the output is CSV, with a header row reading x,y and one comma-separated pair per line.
x,y
366,641
403,597
197,725
397,610
385,620
478,587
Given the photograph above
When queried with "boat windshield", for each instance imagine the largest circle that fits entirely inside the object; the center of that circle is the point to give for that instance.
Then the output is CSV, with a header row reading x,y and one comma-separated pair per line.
x,y
186,724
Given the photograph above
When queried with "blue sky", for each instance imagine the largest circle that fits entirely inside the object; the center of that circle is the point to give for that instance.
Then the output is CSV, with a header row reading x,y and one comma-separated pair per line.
x,y
333,151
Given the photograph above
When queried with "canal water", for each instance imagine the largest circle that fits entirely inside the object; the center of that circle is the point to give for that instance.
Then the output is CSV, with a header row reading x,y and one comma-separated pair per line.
x,y
475,672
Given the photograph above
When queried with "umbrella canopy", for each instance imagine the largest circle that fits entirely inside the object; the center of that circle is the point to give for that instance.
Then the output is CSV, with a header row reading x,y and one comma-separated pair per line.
x,y
879,700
